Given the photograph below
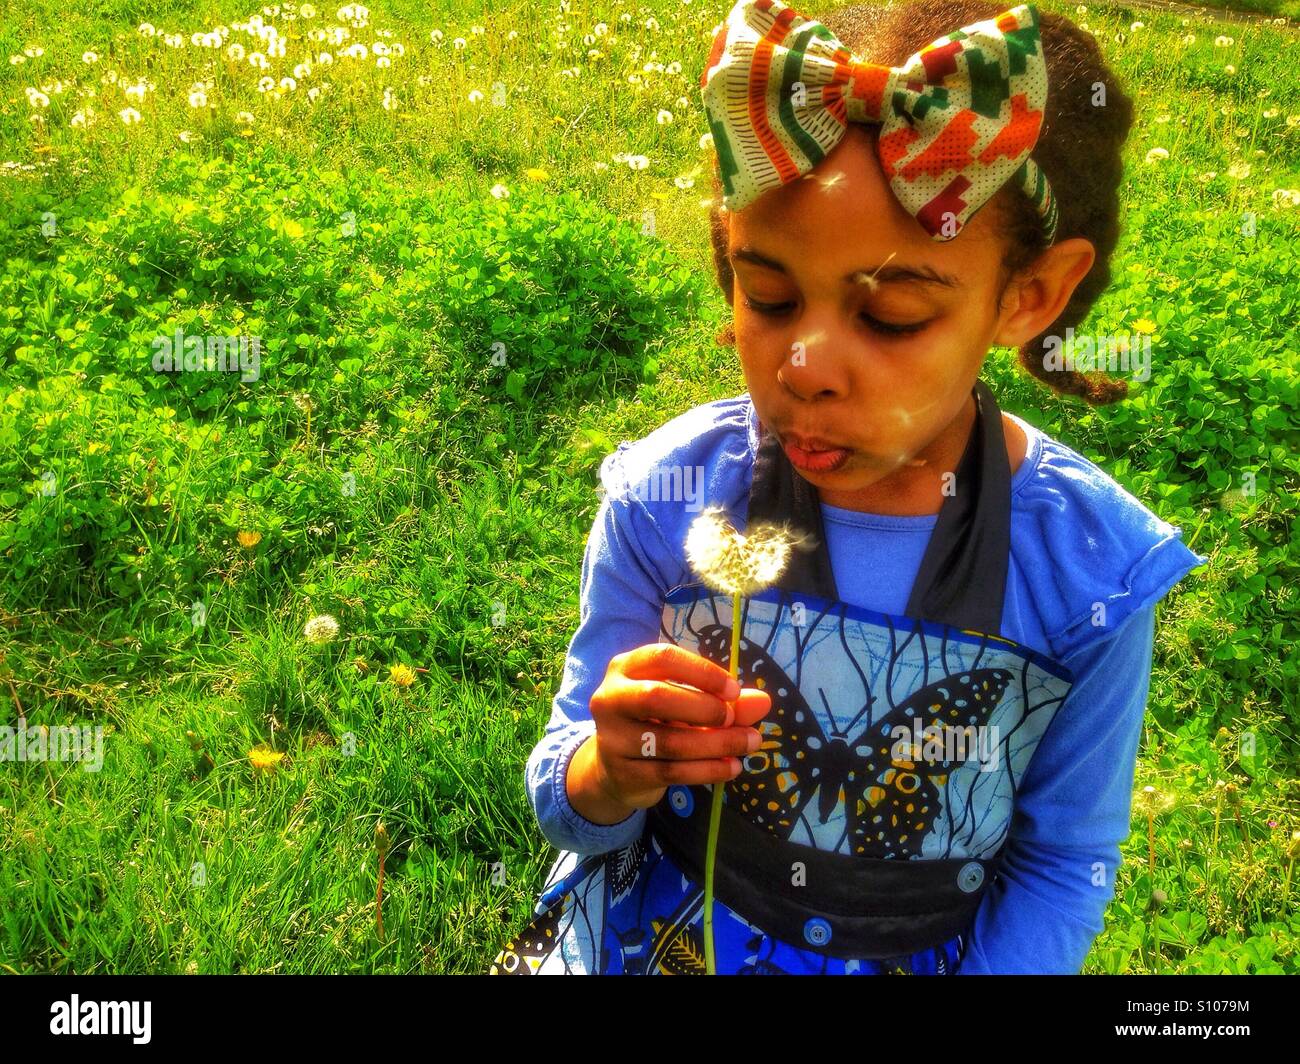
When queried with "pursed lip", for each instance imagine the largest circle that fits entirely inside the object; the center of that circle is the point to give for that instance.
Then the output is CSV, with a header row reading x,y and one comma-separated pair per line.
x,y
810,443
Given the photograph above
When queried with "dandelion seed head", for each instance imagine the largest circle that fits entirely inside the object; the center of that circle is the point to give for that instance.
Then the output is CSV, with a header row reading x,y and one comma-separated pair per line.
x,y
737,564
320,630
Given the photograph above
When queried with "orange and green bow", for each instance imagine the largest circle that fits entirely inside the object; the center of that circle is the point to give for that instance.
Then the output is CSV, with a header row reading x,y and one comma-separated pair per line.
x,y
958,119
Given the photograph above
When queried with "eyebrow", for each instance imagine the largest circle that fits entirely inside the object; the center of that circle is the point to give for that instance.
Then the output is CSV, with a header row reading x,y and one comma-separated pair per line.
x,y
884,274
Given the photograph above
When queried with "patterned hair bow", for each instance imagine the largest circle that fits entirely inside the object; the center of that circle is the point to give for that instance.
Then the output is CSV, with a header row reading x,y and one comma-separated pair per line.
x,y
958,119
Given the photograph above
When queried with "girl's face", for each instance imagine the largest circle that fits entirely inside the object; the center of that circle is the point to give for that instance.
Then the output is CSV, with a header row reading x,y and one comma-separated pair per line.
x,y
871,373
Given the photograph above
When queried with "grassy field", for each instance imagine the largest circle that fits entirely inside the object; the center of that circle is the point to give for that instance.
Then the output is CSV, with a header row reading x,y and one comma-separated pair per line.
x,y
473,250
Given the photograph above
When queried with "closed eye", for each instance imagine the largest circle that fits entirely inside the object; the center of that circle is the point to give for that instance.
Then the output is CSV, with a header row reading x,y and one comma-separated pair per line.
x,y
885,328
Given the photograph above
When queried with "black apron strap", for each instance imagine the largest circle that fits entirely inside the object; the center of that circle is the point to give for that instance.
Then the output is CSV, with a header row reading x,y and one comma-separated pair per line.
x,y
963,574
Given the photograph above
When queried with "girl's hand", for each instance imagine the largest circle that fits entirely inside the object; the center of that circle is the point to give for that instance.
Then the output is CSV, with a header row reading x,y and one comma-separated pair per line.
x,y
666,716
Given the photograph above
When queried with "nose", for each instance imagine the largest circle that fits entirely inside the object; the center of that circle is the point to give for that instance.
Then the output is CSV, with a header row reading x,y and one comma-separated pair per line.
x,y
812,370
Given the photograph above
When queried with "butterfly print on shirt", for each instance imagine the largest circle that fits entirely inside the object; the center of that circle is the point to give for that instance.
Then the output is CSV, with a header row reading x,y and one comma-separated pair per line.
x,y
890,802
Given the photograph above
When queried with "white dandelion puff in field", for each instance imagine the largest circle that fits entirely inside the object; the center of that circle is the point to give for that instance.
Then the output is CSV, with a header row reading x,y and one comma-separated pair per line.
x,y
78,119
1229,69
459,43
236,52
145,29
36,98
266,84
475,96
1239,171
89,57
1286,197
307,11
129,115
500,191
684,182
1223,42
321,630
324,59
706,142
637,162
664,117
244,118
198,98
186,137
258,60
1156,155
34,52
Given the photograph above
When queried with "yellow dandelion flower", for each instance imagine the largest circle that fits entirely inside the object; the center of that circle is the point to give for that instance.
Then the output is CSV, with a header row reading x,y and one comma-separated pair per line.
x,y
249,540
534,173
264,760
1145,326
401,675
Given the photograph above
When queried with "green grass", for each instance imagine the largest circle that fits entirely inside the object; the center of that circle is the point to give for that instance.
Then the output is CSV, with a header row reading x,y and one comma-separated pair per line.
x,y
459,552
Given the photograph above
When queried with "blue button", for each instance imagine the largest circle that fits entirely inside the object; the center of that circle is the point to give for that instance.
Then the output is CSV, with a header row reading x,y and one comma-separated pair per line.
x,y
817,931
971,876
681,800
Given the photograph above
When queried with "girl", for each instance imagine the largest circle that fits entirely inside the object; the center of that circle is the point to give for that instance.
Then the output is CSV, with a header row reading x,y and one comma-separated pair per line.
x,y
929,767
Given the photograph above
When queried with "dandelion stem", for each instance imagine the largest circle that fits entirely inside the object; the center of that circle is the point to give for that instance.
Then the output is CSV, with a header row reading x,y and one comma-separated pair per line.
x,y
715,808
1151,844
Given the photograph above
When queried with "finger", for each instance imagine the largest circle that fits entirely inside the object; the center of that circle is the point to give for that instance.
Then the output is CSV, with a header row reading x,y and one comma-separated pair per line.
x,y
646,775
667,661
639,741
752,706
658,700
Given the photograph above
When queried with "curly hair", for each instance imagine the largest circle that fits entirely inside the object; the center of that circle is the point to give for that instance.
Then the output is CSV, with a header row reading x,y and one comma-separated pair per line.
x,y
1087,117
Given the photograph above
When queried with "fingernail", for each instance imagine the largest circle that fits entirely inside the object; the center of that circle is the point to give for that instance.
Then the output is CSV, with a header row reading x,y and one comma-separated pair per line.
x,y
735,766
732,691
753,740
731,716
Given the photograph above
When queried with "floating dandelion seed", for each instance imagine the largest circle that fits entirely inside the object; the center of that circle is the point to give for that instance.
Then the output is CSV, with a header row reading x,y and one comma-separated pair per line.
x,y
869,279
320,630
736,565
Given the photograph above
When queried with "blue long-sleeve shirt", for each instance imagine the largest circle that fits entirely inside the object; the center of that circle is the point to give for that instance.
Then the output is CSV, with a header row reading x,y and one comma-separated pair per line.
x,y
1088,563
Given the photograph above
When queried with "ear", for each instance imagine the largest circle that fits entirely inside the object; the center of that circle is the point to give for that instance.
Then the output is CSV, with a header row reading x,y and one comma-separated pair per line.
x,y
1037,297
